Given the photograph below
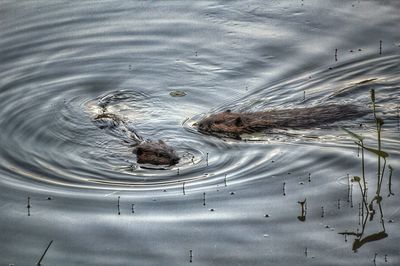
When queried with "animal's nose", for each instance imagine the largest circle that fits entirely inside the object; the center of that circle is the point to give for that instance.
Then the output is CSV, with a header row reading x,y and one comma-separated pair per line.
x,y
175,160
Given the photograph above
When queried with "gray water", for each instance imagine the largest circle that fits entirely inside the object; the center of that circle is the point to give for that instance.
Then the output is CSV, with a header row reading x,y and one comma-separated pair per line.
x,y
58,59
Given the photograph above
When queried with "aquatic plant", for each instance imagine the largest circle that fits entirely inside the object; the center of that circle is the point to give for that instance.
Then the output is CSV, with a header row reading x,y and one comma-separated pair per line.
x,y
367,208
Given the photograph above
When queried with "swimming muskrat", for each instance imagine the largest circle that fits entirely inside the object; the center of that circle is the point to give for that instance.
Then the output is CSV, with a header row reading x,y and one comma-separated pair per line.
x,y
232,124
147,151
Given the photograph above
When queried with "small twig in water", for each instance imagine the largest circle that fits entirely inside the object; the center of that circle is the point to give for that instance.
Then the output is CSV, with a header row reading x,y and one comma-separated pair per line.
x,y
348,188
390,180
29,206
351,196
118,205
44,253
284,190
398,118
225,180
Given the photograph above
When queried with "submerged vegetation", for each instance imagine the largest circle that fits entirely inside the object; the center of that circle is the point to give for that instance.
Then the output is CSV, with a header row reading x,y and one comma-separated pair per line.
x,y
368,208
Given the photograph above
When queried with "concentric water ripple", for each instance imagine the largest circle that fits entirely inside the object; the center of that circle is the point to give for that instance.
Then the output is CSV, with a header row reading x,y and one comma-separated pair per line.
x,y
62,62
51,138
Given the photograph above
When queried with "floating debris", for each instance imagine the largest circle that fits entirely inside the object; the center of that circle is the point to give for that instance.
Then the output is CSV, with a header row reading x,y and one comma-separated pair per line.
x,y
44,253
303,205
177,93
283,188
118,205
225,180
29,206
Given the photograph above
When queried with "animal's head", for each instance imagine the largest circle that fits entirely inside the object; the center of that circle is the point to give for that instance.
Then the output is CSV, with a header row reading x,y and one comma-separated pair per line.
x,y
227,123
156,153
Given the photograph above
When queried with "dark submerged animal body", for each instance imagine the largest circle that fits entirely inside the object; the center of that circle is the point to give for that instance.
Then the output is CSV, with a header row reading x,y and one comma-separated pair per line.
x,y
147,152
230,124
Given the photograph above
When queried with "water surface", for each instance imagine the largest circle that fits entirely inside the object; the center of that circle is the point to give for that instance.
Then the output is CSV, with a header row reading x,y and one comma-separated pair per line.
x,y
61,59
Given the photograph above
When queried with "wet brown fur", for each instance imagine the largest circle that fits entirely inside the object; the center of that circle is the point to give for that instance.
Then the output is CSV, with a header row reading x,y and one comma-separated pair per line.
x,y
230,124
156,153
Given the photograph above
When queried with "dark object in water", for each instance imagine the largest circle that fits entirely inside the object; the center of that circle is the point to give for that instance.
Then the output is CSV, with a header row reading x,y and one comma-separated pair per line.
x,y
157,153
230,124
107,120
148,152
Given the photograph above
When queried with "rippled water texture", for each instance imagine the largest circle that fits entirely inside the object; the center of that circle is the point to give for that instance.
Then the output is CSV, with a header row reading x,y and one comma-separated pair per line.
x,y
227,202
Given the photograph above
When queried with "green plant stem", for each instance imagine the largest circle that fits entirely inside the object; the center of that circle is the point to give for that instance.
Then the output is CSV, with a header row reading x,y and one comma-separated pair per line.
x,y
390,181
380,180
382,221
363,190
378,130
363,175
379,158
363,198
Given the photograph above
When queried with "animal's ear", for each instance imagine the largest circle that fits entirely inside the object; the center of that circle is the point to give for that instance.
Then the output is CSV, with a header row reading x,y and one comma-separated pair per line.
x,y
238,122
